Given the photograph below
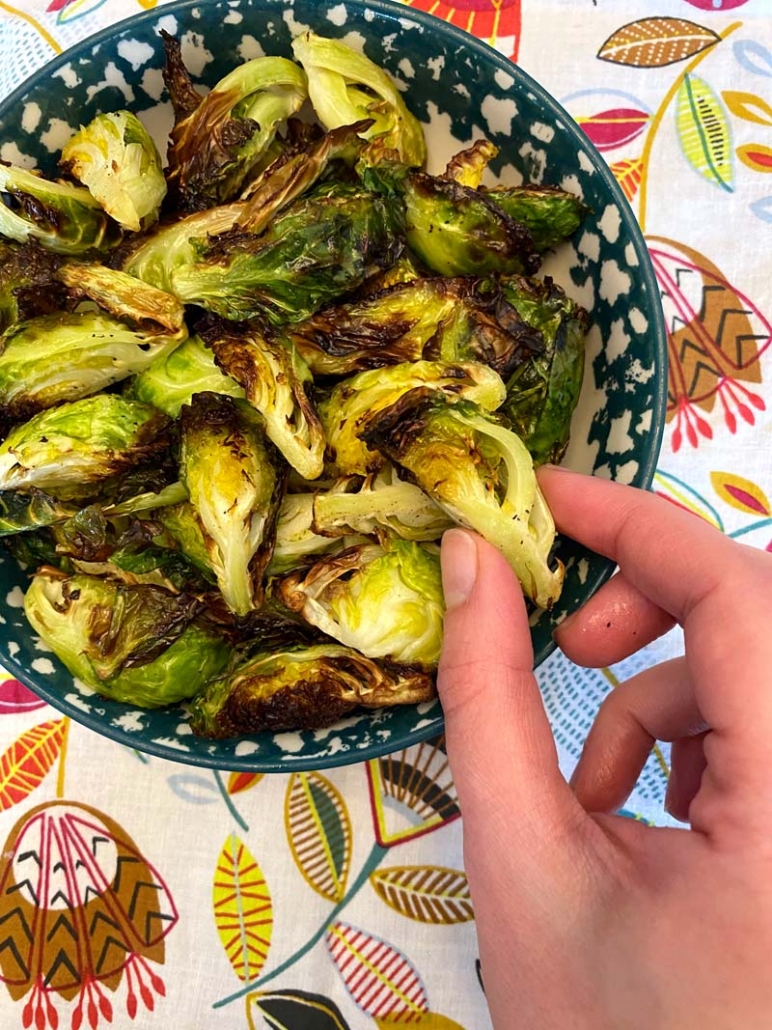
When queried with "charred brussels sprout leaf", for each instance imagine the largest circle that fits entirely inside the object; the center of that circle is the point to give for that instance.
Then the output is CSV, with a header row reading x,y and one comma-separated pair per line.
x,y
354,402
235,482
62,218
20,513
345,86
303,689
320,247
543,392
462,319
66,357
481,474
468,166
172,380
67,449
181,523
215,145
550,214
28,283
298,541
379,503
386,601
274,378
137,644
124,296
115,157
289,177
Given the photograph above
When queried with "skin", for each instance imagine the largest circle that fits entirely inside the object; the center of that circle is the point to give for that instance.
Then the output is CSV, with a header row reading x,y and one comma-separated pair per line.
x,y
586,919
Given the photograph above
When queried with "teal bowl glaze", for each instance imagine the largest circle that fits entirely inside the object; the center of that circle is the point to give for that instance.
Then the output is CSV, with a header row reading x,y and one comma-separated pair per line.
x,y
460,89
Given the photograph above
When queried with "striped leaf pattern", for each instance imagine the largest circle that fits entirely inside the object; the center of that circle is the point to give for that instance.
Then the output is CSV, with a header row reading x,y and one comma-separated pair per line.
x,y
615,127
656,42
378,977
319,832
428,894
242,909
628,175
703,132
293,1010
430,1021
25,763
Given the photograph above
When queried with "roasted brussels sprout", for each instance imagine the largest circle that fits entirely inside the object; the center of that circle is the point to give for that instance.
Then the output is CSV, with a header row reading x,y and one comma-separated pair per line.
x,y
216,144
274,378
182,524
157,254
481,474
28,282
124,296
550,214
353,402
543,392
378,503
65,450
137,644
384,600
461,319
172,380
320,247
62,218
21,513
115,157
345,87
66,357
298,543
235,484
303,689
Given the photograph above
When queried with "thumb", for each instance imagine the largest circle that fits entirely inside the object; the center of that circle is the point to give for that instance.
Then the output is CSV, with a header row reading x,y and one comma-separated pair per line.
x,y
499,740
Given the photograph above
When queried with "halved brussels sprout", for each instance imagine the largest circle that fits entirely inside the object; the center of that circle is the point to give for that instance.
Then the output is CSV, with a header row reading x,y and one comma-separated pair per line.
x,y
172,380
303,689
481,474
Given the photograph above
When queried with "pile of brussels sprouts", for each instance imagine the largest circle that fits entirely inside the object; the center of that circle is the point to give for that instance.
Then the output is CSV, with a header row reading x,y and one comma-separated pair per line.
x,y
242,397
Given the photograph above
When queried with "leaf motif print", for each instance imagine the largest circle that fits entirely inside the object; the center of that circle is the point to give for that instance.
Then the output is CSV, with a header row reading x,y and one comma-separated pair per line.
x,y
243,911
614,128
740,493
429,1021
656,42
25,763
293,1010
412,792
428,894
378,977
703,131
241,781
748,106
70,10
756,156
754,57
680,493
628,175
15,697
81,910
716,335
319,832
762,208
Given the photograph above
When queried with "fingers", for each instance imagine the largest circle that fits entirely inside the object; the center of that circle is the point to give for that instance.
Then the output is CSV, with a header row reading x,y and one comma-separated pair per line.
x,y
687,764
615,623
499,739
657,704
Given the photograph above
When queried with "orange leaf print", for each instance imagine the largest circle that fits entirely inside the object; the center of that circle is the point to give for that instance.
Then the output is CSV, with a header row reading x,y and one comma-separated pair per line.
x,y
756,156
748,106
740,493
656,42
25,763
241,781
628,175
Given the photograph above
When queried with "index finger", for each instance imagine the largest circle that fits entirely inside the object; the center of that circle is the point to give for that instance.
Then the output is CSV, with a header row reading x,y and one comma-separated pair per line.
x,y
717,589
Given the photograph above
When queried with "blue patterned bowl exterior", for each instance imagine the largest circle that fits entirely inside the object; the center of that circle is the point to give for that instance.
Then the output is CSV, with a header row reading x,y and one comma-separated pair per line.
x,y
461,90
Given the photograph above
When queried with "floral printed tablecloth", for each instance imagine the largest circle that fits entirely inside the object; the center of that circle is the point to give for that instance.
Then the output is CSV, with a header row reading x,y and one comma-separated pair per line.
x,y
338,900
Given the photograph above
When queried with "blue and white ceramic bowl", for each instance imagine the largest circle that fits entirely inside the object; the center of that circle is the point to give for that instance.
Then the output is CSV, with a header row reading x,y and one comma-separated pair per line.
x,y
461,90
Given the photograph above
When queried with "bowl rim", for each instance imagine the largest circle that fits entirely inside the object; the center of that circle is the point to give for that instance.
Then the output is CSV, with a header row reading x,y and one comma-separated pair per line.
x,y
391,11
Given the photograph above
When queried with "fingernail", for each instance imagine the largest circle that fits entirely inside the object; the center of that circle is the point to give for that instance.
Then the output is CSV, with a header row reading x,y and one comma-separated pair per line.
x,y
459,566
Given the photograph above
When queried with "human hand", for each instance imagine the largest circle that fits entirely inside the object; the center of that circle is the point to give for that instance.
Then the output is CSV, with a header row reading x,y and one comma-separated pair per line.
x,y
586,919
